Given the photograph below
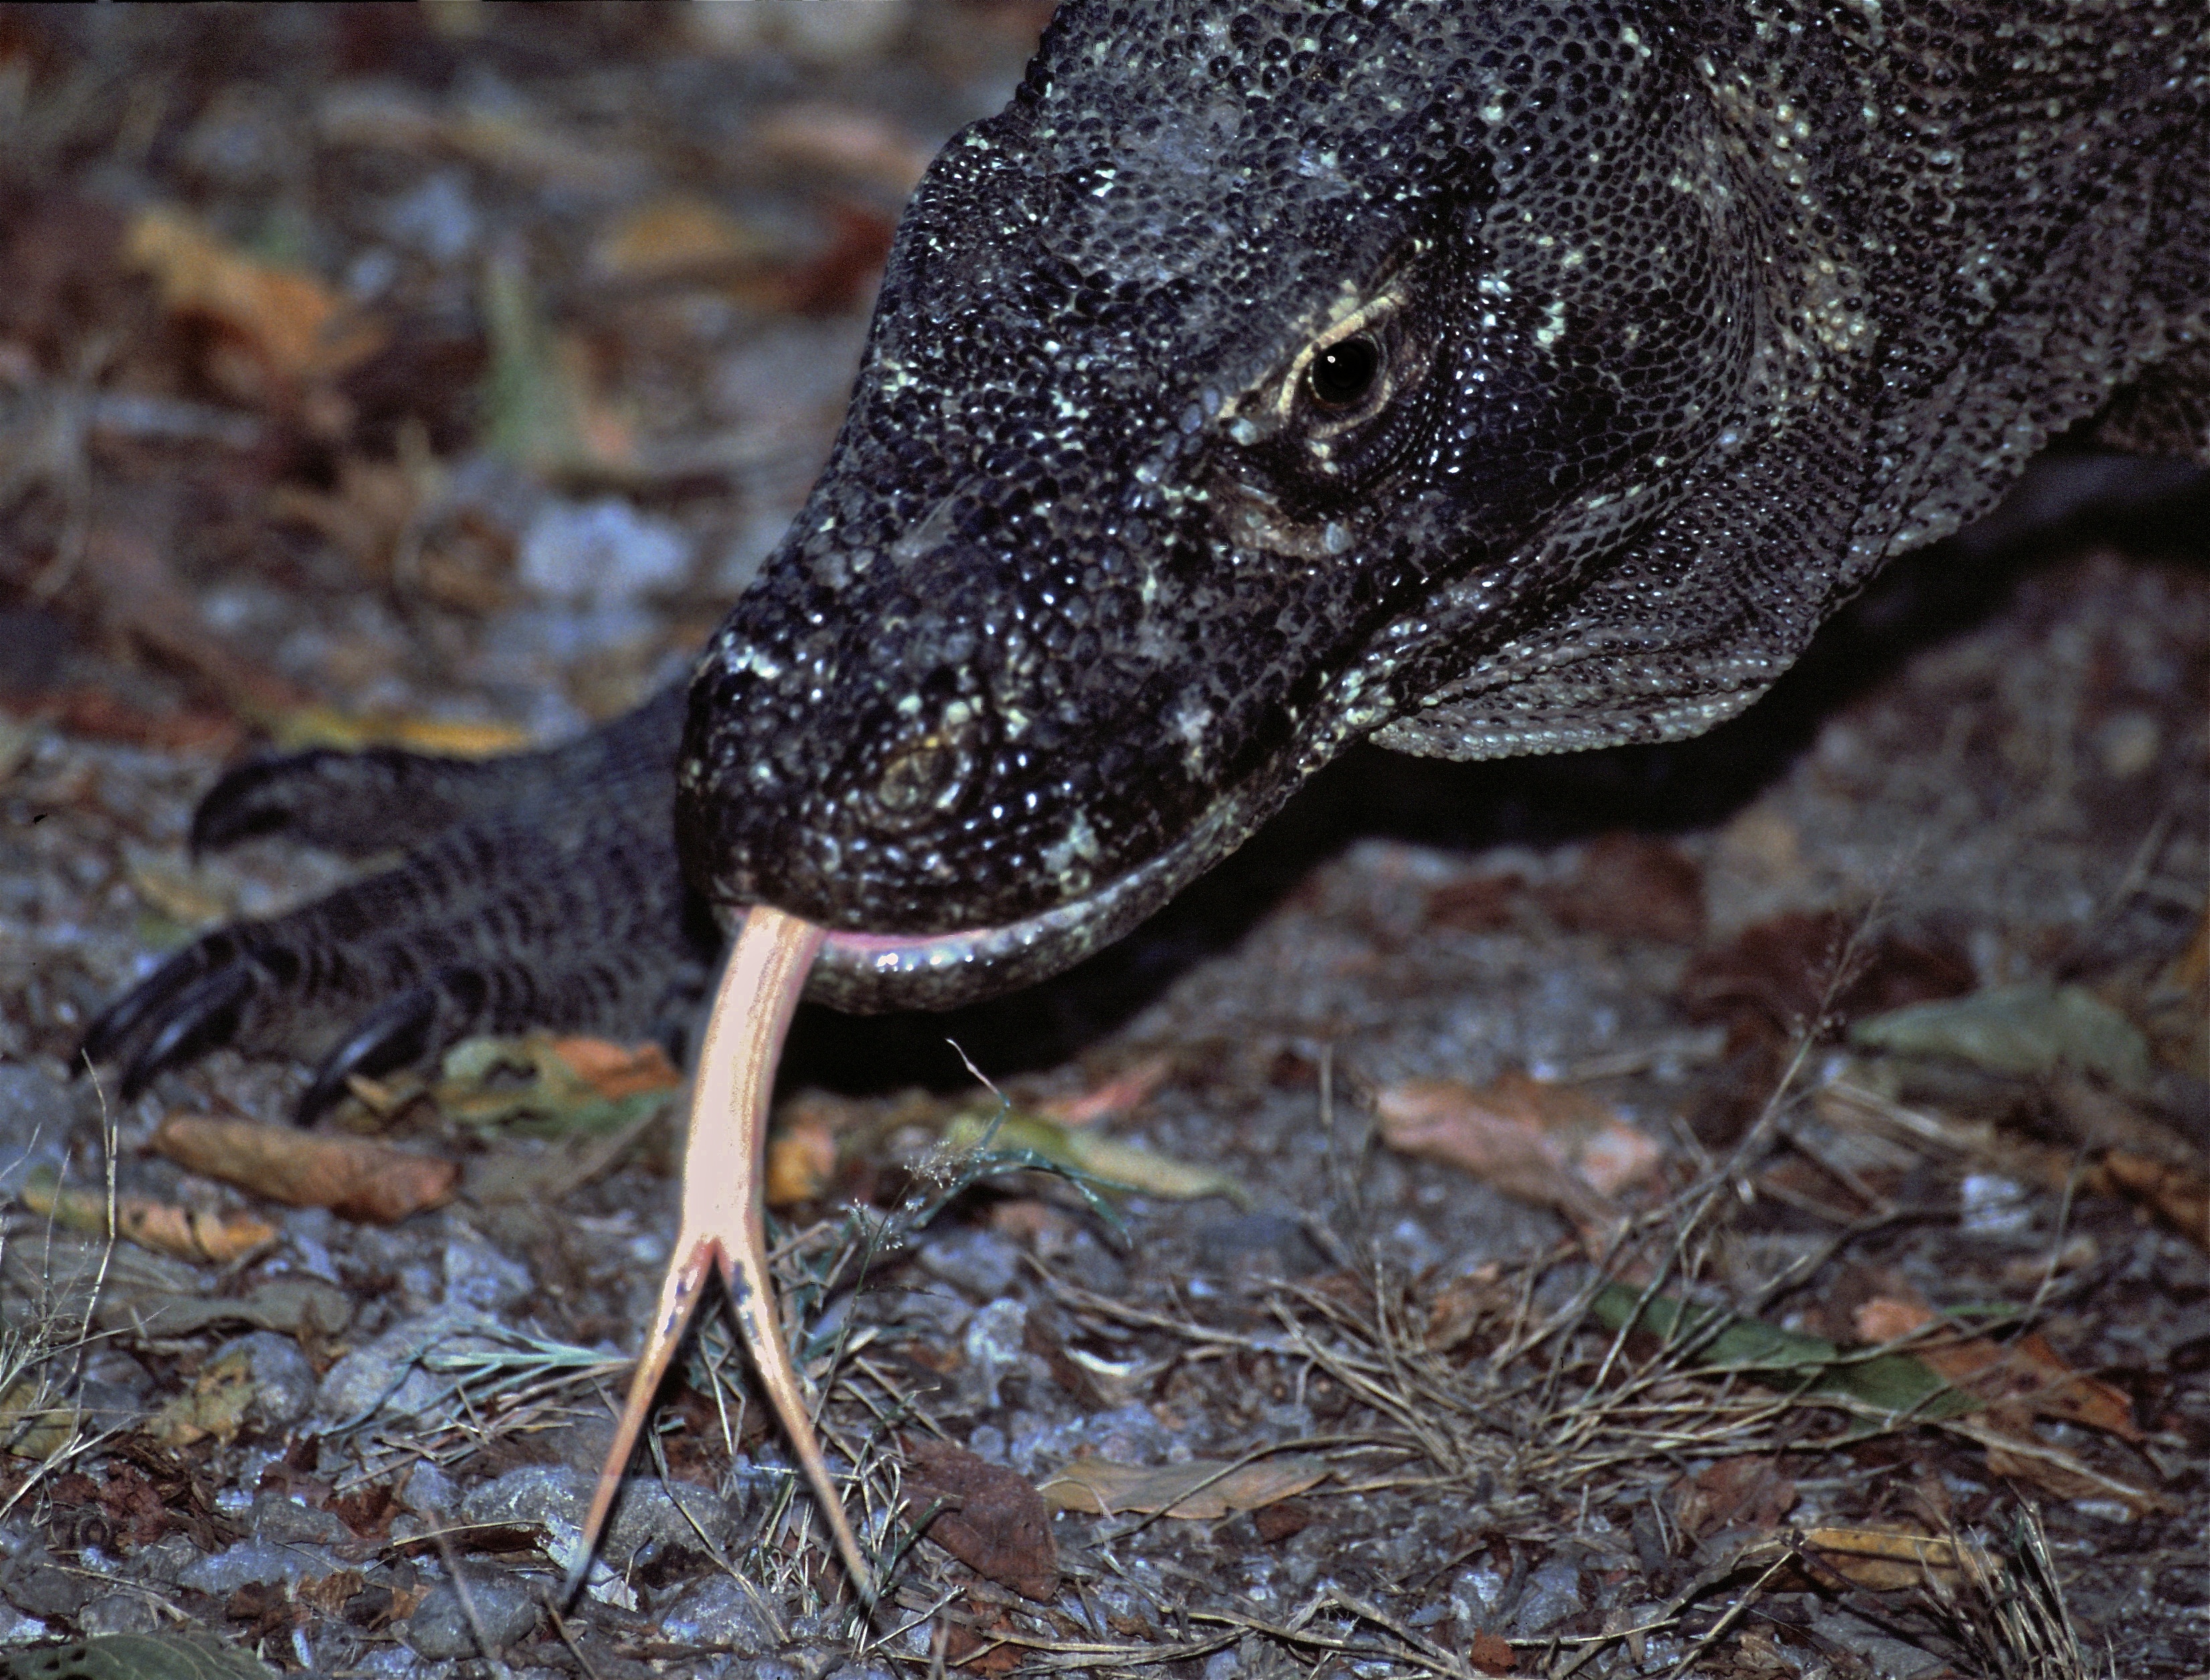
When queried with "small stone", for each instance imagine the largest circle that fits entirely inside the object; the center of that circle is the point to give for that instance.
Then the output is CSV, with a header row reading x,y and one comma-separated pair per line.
x,y
35,1115
441,1626
603,552
120,1612
251,1562
384,1376
993,1345
37,1586
717,1614
284,1380
281,1519
556,1497
17,1629
482,1277
1554,1592
981,1262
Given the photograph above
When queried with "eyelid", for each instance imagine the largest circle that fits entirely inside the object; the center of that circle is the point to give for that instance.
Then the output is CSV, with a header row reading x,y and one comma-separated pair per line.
x,y
1369,320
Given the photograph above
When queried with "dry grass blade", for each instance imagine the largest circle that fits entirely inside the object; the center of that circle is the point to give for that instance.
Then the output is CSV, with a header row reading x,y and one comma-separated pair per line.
x,y
723,1226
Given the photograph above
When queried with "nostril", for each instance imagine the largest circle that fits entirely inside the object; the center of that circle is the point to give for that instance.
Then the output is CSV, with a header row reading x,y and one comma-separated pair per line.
x,y
930,771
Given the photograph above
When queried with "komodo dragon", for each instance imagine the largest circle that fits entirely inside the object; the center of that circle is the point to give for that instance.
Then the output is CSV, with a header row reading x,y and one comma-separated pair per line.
x,y
1476,378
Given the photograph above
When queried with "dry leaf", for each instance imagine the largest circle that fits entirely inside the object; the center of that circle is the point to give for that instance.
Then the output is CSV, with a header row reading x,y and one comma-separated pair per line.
x,y
30,1429
801,1163
850,143
216,1405
354,1178
1116,1164
298,327
1746,1491
991,1520
2178,1195
1203,1489
566,1086
678,239
2025,1374
159,1225
1117,1095
1634,887
1552,1144
1881,1560
1491,1653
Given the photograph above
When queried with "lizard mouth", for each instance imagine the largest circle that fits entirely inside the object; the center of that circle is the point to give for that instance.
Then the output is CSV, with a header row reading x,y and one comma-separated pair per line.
x,y
868,973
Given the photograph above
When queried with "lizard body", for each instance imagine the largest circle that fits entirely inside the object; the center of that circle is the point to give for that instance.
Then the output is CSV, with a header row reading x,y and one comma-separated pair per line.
x,y
1478,379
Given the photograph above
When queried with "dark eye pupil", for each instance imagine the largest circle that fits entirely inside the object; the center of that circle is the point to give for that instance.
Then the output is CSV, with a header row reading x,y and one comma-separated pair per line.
x,y
1343,373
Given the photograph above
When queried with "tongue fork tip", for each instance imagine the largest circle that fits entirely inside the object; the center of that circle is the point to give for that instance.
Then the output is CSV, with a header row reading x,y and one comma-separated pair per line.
x,y
724,1228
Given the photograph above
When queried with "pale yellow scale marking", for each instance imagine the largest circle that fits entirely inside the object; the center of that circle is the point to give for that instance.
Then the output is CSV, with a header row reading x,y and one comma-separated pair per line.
x,y
723,1226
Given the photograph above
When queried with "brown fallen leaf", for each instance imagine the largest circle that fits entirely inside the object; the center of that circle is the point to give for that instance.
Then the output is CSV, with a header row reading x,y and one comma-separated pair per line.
x,y
991,1519
1774,976
355,1177
1491,1653
1552,1144
2179,1195
216,1405
1203,1489
159,1225
2023,1375
1117,1095
297,327
1746,1491
1633,886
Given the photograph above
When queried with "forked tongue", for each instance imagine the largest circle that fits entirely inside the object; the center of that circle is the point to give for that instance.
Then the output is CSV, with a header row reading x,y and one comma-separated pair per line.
x,y
723,1227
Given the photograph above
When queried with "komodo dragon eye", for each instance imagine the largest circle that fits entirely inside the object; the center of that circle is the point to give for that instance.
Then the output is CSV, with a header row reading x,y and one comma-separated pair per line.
x,y
1343,374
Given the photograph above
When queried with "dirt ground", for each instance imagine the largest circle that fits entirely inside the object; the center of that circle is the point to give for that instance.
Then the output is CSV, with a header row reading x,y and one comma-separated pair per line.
x,y
1738,1209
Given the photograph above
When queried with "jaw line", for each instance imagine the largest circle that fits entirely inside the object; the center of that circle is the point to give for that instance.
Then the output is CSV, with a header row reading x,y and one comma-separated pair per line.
x,y
869,974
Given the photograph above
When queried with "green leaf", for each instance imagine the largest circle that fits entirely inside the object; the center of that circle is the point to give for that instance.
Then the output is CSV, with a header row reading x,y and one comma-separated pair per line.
x,y
2023,1031
135,1657
1105,1161
1884,1384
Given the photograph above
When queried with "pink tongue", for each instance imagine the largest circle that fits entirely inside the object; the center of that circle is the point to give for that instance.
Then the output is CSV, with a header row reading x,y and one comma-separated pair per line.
x,y
723,1225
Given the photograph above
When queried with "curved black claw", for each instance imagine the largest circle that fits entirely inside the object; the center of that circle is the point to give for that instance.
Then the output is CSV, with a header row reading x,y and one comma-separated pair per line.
x,y
394,1034
123,1020
254,798
203,1017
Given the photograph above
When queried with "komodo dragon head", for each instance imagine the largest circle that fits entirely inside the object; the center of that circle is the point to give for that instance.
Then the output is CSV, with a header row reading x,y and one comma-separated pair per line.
x,y
1494,377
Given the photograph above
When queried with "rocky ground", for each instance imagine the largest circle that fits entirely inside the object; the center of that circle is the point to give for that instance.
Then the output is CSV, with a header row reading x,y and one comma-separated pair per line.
x,y
1736,1208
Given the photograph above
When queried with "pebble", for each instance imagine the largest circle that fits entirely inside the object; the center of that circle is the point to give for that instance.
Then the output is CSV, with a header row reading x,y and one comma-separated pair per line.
x,y
981,1262
17,1629
481,1277
440,1626
717,1614
383,1376
281,1519
251,1561
283,1380
993,1347
35,1113
604,553
118,1612
1554,1592
555,1496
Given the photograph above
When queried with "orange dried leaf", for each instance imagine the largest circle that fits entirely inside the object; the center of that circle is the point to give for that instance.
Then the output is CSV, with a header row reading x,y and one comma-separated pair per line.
x,y
299,328
1553,1144
614,1071
1881,1560
1117,1095
800,1162
1202,1489
162,1227
357,1178
1491,1653
679,237
2025,1371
